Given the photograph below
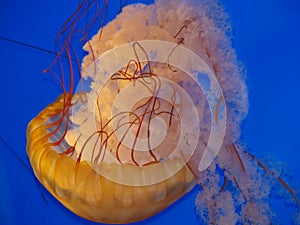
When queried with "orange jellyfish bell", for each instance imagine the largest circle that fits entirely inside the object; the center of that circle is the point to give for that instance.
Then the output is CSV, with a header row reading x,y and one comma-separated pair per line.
x,y
79,187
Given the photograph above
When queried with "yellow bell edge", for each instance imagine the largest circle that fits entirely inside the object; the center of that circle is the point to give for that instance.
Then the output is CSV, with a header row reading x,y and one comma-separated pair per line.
x,y
92,196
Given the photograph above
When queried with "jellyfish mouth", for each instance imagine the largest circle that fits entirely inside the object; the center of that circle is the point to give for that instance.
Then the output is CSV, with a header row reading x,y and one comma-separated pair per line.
x,y
140,122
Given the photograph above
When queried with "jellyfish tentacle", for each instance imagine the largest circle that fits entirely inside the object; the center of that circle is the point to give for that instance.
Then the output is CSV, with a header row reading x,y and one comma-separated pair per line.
x,y
278,178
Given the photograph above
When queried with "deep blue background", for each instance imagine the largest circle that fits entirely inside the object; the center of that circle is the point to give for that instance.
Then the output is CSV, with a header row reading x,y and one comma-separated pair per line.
x,y
267,39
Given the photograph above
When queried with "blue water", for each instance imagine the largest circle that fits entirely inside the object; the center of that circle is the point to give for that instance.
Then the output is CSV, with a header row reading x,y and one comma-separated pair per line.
x,y
267,35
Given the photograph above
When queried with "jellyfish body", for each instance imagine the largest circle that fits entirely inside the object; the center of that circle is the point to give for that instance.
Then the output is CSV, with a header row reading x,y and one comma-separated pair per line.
x,y
137,135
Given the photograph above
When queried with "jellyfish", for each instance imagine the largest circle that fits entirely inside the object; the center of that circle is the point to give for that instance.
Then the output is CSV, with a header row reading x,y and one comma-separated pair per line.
x,y
157,111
